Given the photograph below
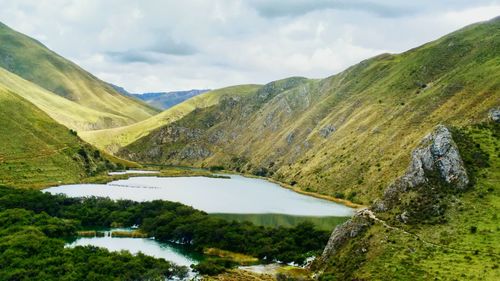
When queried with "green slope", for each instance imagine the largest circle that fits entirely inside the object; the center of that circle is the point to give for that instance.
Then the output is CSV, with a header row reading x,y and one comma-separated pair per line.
x,y
35,151
64,111
34,62
460,242
113,139
346,135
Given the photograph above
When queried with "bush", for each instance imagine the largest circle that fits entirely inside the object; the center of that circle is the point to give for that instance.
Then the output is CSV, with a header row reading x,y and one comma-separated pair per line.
x,y
351,195
473,229
339,195
213,266
216,168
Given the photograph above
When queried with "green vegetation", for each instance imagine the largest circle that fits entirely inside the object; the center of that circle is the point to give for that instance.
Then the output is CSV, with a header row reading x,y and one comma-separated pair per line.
x,y
213,266
64,111
323,223
36,151
344,135
113,139
174,222
31,250
96,104
460,242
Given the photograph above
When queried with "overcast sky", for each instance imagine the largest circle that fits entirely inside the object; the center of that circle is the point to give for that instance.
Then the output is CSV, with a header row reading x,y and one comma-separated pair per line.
x,y
183,44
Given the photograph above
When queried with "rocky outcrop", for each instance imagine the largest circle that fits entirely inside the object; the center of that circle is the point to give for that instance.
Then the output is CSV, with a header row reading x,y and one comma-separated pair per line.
x,y
194,152
327,130
170,134
438,155
495,115
352,228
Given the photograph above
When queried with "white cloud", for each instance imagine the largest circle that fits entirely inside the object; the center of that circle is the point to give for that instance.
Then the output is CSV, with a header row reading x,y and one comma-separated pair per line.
x,y
169,45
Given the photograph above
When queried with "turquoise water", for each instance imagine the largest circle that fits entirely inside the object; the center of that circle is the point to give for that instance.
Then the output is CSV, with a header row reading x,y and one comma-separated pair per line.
x,y
147,246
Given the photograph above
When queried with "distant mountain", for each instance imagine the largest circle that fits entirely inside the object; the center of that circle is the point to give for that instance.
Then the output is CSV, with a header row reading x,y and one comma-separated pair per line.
x,y
161,100
34,63
165,100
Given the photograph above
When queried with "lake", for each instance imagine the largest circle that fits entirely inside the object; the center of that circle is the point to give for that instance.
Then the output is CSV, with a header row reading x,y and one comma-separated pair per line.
x,y
236,198
234,195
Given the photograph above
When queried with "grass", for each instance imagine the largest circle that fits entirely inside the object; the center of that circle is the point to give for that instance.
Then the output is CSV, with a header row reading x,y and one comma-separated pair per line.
x,y
36,151
240,275
273,220
130,234
90,233
241,259
64,111
465,246
34,62
113,139
380,109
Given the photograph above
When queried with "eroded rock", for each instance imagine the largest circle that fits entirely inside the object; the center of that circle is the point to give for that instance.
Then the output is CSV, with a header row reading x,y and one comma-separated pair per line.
x,y
327,130
436,154
494,115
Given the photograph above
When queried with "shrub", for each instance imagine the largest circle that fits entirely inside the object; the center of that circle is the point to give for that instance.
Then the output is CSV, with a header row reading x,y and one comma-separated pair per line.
x,y
473,229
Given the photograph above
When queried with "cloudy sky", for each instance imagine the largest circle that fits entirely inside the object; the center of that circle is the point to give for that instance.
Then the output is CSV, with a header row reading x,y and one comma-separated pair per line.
x,y
161,45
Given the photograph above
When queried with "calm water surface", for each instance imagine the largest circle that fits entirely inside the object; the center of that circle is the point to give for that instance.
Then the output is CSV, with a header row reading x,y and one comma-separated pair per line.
x,y
237,195
147,246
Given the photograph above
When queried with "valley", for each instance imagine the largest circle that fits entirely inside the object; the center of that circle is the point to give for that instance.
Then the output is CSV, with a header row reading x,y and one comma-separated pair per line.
x,y
387,170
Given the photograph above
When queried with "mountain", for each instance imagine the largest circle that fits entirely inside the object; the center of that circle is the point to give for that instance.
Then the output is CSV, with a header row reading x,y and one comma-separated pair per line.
x,y
165,100
36,151
438,221
66,112
32,61
348,135
161,100
113,139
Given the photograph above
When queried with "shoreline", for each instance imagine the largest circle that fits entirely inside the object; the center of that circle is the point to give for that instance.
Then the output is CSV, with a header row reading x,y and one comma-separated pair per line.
x,y
177,171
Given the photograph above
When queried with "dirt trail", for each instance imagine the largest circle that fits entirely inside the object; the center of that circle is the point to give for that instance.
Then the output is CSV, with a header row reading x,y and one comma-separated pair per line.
x,y
369,214
41,155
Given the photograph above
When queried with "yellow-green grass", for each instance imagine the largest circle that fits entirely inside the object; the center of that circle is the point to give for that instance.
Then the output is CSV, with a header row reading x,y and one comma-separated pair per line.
x,y
64,111
113,139
466,246
34,149
90,233
239,258
240,275
34,62
129,234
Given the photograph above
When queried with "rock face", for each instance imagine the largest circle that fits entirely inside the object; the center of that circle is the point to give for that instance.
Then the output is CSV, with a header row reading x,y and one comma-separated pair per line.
x,y
495,114
327,130
342,233
436,154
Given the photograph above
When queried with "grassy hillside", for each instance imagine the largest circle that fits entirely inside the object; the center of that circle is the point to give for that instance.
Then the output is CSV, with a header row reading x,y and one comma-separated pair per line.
x,y
34,62
64,111
113,139
461,243
346,135
35,151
